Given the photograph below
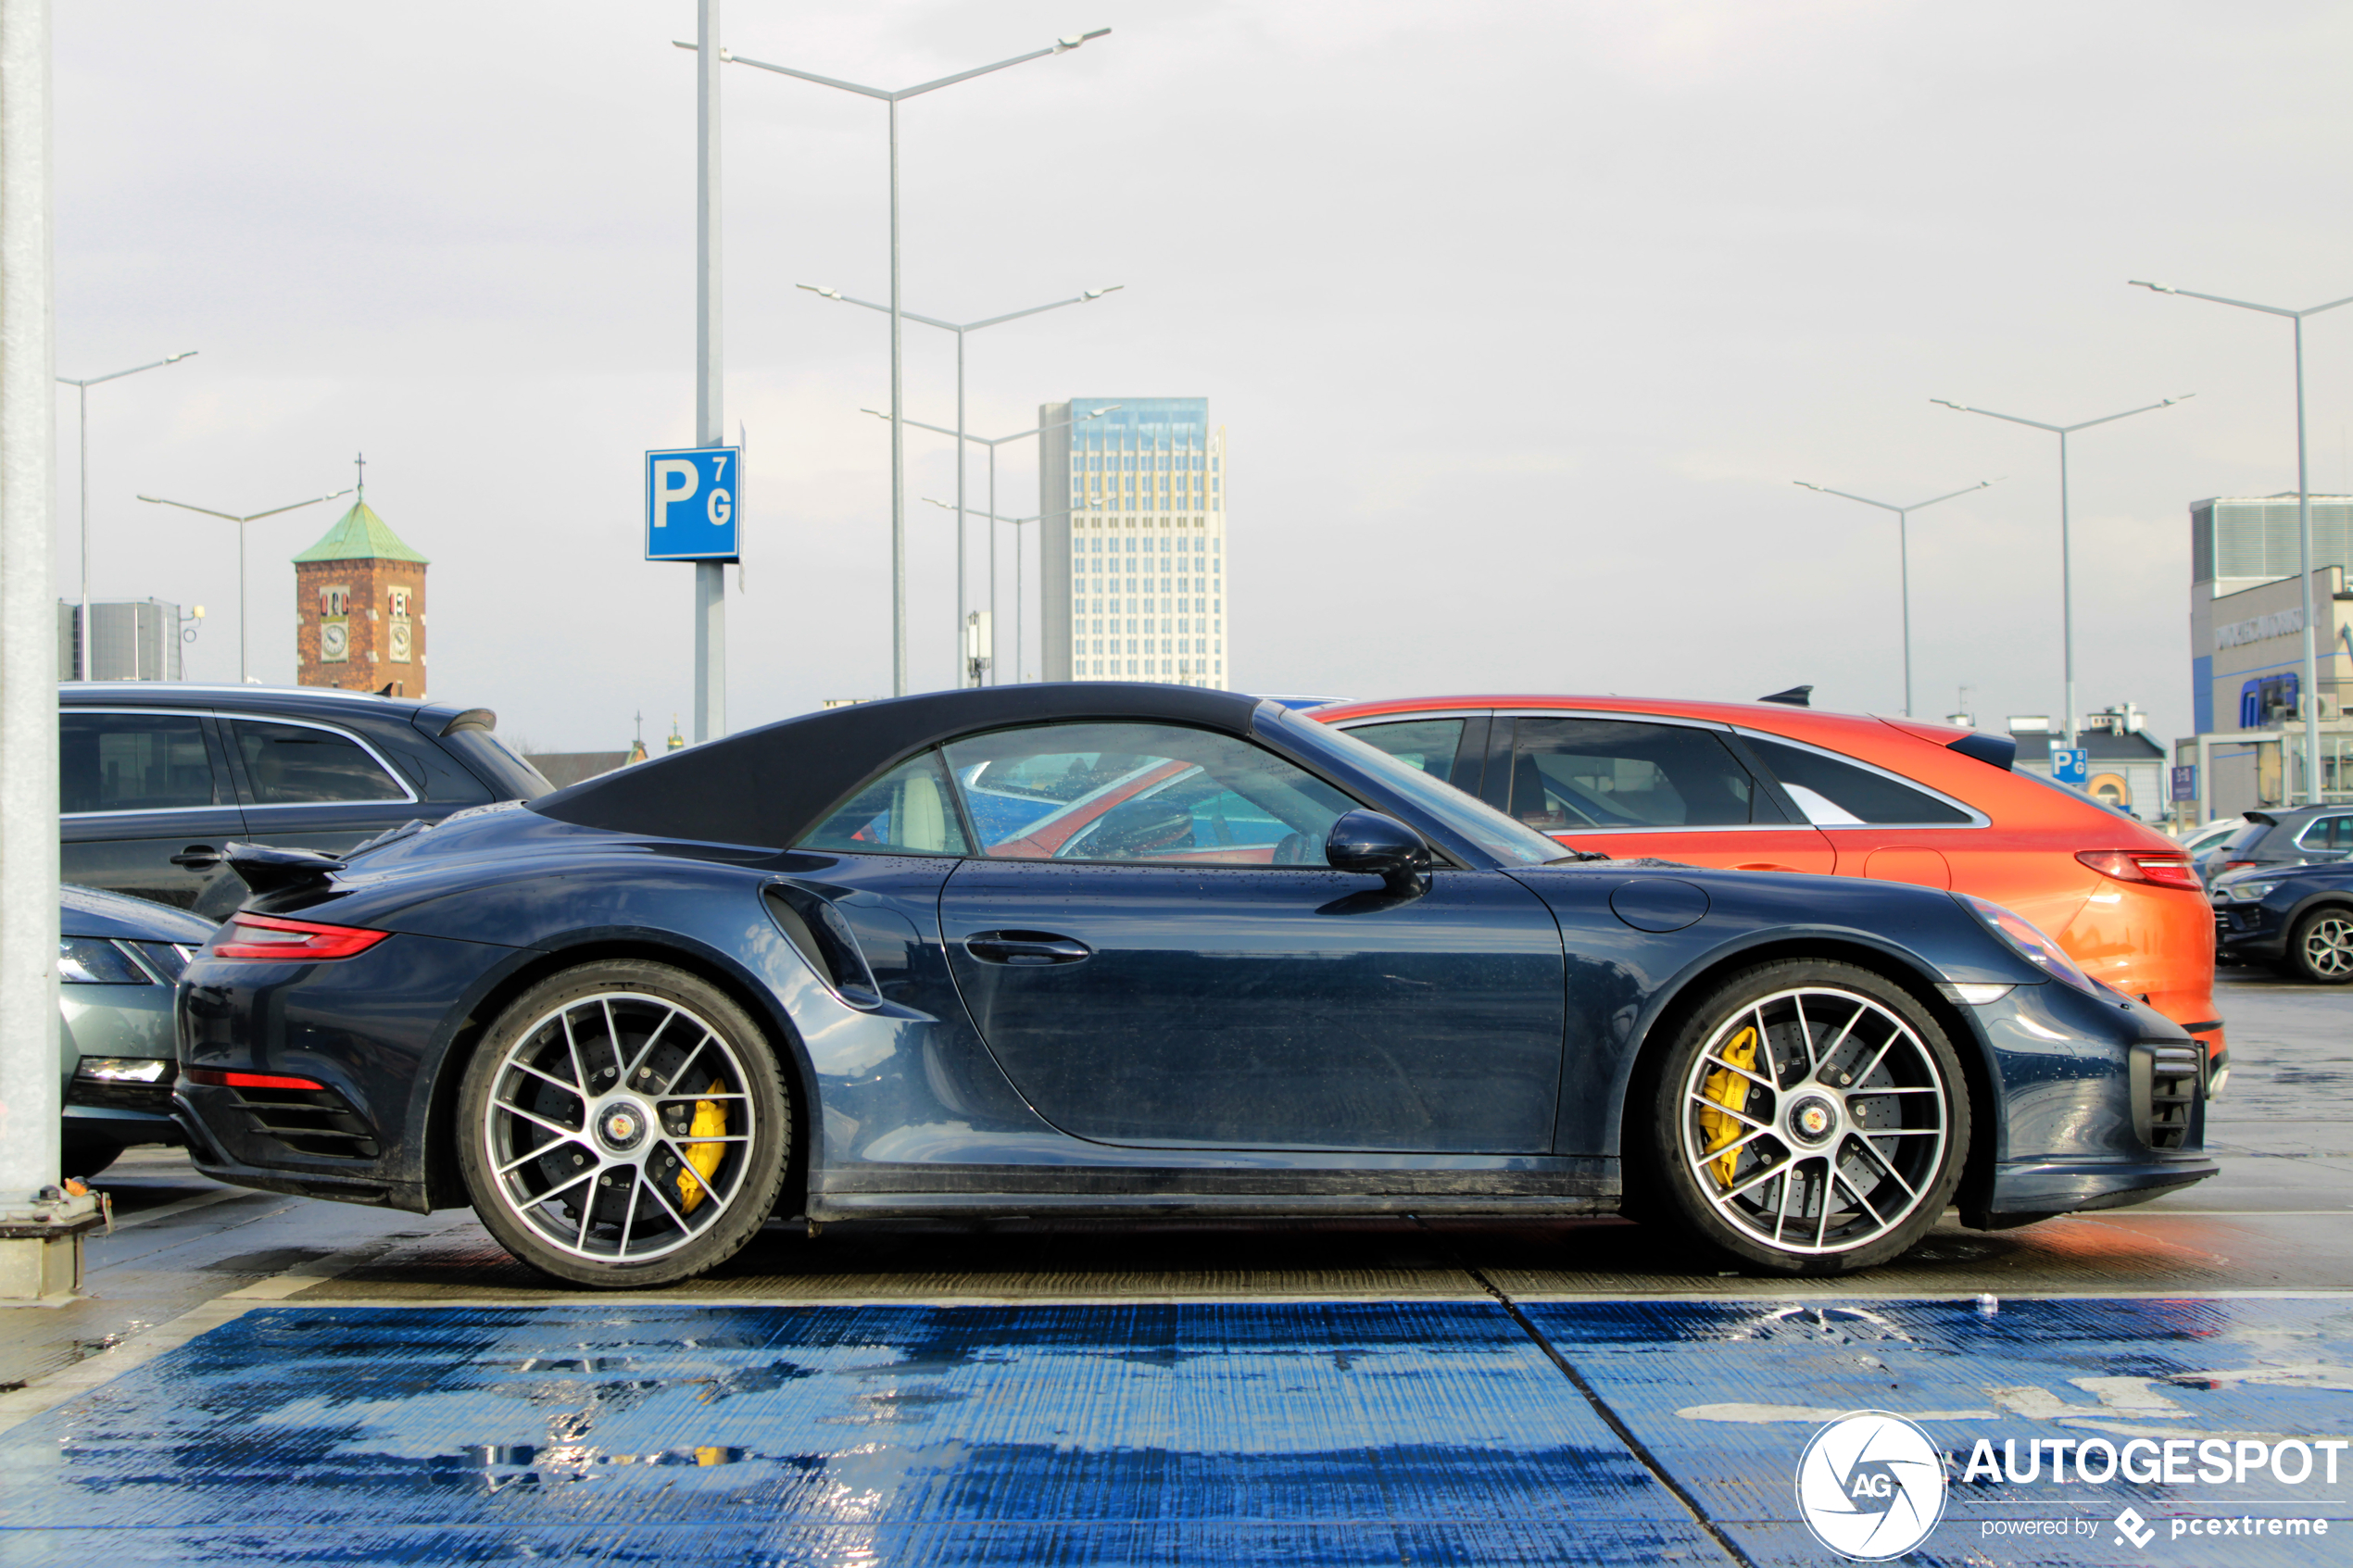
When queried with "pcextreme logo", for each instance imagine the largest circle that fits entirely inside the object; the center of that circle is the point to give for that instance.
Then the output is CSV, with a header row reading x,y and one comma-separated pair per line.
x,y
1870,1485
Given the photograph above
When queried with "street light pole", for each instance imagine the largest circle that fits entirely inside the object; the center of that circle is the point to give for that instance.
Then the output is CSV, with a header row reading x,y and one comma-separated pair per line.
x,y
710,576
2311,700
2066,551
1018,523
1902,556
82,427
993,443
898,402
241,521
960,329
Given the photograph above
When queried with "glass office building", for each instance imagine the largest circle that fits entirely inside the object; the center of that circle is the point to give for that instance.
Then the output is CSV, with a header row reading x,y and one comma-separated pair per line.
x,y
1132,493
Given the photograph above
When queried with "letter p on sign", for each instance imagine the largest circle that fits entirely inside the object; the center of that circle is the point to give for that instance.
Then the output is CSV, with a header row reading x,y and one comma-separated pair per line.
x,y
694,504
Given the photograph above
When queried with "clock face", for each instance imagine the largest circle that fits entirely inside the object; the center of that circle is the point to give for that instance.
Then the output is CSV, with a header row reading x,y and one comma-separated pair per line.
x,y
400,641
335,641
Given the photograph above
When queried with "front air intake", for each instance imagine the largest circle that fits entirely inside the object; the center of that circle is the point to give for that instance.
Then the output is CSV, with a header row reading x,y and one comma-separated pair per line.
x,y
2167,1081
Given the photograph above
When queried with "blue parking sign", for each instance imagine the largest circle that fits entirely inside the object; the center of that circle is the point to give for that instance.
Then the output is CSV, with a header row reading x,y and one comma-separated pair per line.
x,y
2070,764
694,504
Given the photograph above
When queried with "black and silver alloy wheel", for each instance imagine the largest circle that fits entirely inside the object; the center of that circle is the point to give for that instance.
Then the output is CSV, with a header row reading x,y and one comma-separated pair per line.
x,y
2321,948
624,1123
1811,1118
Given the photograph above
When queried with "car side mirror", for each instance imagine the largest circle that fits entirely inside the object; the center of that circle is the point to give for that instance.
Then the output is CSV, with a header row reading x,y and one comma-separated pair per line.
x,y
1370,844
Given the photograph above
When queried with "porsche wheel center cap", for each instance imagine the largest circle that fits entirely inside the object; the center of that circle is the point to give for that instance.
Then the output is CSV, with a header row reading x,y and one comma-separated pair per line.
x,y
1813,1119
622,1126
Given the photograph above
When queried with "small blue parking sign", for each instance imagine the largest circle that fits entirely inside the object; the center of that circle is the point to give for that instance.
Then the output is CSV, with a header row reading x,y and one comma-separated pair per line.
x,y
694,503
2070,764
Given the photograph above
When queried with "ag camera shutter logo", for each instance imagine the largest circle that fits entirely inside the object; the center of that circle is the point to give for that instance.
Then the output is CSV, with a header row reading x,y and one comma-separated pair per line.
x,y
1870,1485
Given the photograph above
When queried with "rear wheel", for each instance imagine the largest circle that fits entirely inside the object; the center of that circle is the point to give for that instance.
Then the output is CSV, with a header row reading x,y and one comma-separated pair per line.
x,y
623,1125
1809,1118
2320,948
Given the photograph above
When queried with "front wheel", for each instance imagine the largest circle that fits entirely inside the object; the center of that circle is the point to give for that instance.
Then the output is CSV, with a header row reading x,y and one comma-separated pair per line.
x,y
1810,1118
2320,948
623,1125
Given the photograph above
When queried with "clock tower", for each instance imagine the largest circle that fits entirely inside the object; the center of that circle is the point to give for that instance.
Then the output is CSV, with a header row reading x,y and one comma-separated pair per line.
x,y
359,608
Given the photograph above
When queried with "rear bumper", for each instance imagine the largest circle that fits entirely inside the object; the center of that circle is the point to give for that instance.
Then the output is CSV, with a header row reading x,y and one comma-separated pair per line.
x,y
206,1153
90,1124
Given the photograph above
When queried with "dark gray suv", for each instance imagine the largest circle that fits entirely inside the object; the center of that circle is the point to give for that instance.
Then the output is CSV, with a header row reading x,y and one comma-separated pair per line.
x,y
155,778
2302,837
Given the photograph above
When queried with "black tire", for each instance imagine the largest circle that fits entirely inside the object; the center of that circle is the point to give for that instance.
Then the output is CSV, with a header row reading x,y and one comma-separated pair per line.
x,y
612,1200
2320,949
1870,1113
84,1158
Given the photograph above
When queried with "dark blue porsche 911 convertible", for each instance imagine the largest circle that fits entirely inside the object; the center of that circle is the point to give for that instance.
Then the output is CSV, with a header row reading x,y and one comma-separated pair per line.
x,y
1110,950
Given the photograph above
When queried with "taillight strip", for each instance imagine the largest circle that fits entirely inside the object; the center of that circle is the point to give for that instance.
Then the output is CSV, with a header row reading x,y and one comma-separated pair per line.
x,y
215,1077
2142,865
290,941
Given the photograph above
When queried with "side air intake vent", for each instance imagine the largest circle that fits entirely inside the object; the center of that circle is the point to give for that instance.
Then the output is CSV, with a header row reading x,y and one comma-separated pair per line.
x,y
314,1121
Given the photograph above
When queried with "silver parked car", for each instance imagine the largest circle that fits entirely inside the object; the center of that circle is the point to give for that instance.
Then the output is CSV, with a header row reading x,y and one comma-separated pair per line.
x,y
118,959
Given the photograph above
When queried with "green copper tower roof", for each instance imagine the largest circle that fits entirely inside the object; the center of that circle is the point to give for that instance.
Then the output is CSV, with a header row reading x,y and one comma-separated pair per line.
x,y
360,534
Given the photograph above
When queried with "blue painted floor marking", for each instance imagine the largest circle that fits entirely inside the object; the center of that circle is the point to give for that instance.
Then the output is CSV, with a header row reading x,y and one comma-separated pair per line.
x,y
1294,1434
1725,1396
1345,1433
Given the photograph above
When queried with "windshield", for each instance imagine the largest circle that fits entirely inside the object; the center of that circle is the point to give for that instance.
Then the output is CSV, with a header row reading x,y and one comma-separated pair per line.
x,y
1469,817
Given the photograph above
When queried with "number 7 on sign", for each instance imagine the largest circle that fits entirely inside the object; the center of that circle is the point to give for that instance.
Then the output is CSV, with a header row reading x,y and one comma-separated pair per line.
x,y
694,501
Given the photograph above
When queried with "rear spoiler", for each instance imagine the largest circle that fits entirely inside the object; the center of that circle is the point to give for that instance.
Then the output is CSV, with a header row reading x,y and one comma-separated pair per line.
x,y
269,868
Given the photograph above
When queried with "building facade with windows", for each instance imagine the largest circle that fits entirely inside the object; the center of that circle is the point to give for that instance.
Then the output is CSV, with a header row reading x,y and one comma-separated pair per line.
x,y
2247,606
2246,654
1132,492
129,640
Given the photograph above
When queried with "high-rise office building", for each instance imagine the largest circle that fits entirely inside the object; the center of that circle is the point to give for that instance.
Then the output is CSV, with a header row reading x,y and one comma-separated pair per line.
x,y
1133,541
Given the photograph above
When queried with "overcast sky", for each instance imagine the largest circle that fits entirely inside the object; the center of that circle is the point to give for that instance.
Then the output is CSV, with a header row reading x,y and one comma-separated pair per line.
x,y
1520,318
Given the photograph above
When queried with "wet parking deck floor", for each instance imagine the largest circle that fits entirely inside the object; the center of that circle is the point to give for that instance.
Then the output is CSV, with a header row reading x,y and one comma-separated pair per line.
x,y
389,1389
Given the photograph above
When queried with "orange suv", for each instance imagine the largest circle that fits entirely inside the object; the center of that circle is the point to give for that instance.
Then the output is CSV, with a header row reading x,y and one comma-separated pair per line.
x,y
1765,786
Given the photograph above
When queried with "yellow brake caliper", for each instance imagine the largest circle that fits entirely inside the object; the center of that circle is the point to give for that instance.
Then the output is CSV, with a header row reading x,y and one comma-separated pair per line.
x,y
711,1122
1722,1086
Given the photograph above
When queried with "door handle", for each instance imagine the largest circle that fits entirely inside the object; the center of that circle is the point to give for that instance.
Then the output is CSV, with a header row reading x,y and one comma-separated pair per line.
x,y
198,857
1025,948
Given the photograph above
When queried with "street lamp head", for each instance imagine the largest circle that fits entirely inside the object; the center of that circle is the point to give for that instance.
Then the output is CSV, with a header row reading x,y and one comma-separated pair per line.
x,y
2160,288
183,354
820,289
1098,293
1950,404
1065,46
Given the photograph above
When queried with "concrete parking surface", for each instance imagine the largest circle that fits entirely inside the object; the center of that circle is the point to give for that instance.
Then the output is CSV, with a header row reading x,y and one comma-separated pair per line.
x,y
268,1379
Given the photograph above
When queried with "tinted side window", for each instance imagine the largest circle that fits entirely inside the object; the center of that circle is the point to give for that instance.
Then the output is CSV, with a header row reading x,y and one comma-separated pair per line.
x,y
906,811
1836,794
133,763
1570,773
1428,743
295,765
2326,833
1141,791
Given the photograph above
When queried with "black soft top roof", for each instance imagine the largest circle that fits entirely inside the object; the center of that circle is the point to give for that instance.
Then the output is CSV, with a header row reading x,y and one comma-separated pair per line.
x,y
770,786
